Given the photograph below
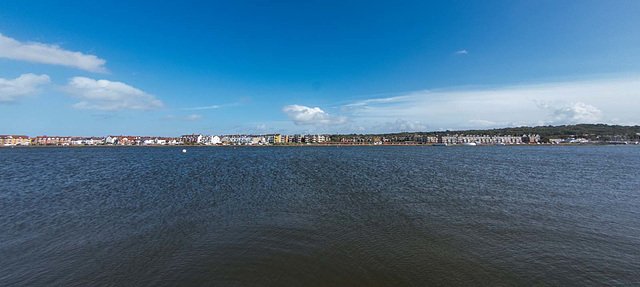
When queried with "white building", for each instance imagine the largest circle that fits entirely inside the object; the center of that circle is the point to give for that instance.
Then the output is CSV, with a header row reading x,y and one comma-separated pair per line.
x,y
211,140
193,138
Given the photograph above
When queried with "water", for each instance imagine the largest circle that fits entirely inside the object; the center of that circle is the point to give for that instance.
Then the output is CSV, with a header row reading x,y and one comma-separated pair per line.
x,y
320,216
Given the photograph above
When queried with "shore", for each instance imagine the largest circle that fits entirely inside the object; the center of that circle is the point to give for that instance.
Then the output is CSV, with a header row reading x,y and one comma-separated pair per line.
x,y
327,145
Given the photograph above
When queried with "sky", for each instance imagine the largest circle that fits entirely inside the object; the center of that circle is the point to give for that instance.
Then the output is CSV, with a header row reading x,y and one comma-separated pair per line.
x,y
166,68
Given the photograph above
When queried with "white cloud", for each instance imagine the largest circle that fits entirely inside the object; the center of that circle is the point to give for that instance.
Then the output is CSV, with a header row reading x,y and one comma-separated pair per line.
x,y
110,96
462,52
596,101
261,127
492,124
364,103
573,113
203,108
193,117
211,107
25,85
402,126
483,123
49,54
302,115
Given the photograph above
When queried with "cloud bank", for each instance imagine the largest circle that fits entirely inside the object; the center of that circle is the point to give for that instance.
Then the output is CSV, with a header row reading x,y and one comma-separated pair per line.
x,y
49,54
400,125
611,101
303,115
109,96
25,85
573,113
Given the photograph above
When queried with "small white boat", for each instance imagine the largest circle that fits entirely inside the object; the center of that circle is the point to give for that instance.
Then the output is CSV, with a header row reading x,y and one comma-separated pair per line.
x,y
469,144
500,144
184,151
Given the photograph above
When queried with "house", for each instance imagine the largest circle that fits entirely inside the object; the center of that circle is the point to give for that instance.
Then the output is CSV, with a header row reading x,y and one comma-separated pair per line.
x,y
111,140
258,140
127,140
315,138
77,141
149,141
13,140
192,139
211,140
49,140
555,141
173,141
531,139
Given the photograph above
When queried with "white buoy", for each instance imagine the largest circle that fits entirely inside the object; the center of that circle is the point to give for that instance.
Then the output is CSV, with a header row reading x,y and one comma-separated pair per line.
x,y
184,151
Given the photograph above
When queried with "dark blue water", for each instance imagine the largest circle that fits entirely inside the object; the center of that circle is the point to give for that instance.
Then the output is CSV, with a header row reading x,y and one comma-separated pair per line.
x,y
324,216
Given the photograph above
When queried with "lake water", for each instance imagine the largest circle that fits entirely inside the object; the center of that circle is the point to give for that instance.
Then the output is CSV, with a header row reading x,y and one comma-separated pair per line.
x,y
320,216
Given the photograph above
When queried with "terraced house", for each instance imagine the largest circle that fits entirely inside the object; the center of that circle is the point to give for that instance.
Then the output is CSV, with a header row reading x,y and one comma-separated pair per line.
x,y
12,140
53,140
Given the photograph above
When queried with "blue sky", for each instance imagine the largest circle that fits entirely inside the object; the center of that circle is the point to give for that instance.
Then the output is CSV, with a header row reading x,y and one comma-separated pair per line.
x,y
168,68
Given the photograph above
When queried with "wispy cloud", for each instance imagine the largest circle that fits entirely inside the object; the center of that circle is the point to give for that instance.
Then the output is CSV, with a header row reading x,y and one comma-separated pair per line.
x,y
109,96
25,85
210,107
364,103
203,108
192,117
49,54
303,115
462,52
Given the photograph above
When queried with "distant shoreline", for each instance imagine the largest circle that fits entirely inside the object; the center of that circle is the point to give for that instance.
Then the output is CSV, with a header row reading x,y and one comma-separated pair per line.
x,y
318,145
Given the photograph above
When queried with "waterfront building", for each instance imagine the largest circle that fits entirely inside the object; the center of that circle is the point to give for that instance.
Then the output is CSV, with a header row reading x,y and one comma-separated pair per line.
x,y
257,140
315,138
531,138
111,140
274,138
13,140
53,140
192,139
212,140
86,141
431,139
77,141
127,140
172,141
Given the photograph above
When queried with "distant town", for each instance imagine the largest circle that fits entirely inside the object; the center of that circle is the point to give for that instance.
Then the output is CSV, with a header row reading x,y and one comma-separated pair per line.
x,y
575,134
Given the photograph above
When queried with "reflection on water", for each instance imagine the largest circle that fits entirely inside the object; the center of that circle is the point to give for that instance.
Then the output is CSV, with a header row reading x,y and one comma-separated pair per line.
x,y
320,216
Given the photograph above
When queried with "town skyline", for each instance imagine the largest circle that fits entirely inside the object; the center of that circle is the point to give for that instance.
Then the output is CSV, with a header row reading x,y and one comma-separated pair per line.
x,y
321,68
580,134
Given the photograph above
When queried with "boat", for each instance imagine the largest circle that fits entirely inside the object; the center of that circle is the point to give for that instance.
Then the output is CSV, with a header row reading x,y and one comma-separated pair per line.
x,y
469,144
500,144
439,144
